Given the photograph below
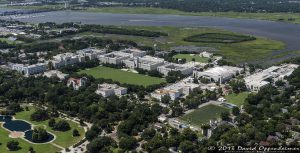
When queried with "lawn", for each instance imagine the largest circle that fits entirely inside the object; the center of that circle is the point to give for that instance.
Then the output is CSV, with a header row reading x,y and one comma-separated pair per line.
x,y
249,51
237,99
9,41
122,76
284,17
64,139
190,57
204,114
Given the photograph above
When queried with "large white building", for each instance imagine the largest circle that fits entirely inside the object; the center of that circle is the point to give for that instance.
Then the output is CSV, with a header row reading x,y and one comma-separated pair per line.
x,y
107,90
146,63
114,57
255,81
219,74
55,73
184,69
30,69
134,52
175,90
91,53
65,59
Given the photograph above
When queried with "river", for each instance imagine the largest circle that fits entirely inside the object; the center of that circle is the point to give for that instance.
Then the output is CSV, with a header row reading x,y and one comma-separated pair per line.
x,y
285,32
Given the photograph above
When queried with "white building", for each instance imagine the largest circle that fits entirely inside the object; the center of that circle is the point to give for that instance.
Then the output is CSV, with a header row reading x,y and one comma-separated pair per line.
x,y
107,90
65,59
30,69
91,53
219,74
146,63
184,69
56,73
114,57
255,81
76,83
134,52
175,91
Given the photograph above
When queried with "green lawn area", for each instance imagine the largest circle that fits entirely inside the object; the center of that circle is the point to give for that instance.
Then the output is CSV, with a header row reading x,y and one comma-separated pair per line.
x,y
64,139
254,50
122,76
204,114
237,99
190,57
39,148
10,42
284,17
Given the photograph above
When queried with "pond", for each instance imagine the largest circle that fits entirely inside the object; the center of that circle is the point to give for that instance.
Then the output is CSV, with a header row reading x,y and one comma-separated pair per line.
x,y
21,126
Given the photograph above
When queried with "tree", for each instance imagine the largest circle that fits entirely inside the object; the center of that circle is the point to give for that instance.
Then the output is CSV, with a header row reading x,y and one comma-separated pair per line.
x,y
101,144
31,150
235,111
39,115
51,122
166,99
62,126
127,143
225,116
188,134
39,134
90,135
148,134
238,86
75,133
187,147
13,145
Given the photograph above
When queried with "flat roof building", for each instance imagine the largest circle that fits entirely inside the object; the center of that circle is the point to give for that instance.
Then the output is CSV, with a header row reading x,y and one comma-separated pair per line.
x,y
30,69
56,73
134,52
114,57
175,90
65,59
219,74
91,53
107,90
184,69
146,63
255,81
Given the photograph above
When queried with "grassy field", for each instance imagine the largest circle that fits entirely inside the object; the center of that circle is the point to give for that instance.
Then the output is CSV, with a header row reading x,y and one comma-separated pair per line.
x,y
190,57
122,76
237,99
284,17
64,139
255,50
204,114
9,41
39,148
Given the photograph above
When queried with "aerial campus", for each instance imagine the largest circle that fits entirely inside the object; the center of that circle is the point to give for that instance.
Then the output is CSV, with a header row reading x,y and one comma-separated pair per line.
x,y
149,76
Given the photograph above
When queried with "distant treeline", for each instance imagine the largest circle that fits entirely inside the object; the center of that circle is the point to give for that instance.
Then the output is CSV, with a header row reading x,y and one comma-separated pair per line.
x,y
218,38
216,5
122,31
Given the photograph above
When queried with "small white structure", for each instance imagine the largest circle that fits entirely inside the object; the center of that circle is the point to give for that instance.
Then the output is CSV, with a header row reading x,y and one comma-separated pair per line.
x,y
206,54
76,83
107,90
175,90
184,69
162,118
30,69
255,81
219,74
56,73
